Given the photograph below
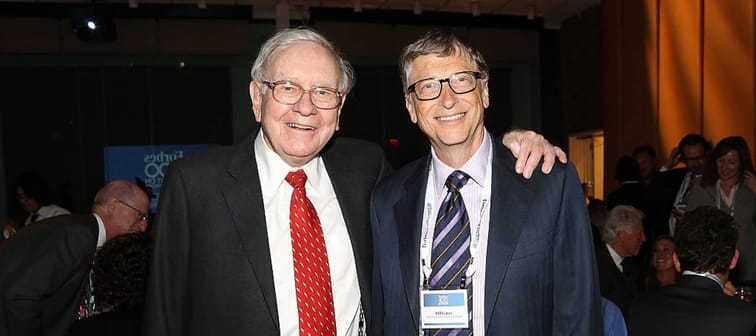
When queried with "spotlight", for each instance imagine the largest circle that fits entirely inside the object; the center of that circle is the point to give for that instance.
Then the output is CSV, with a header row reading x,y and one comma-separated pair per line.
x,y
93,29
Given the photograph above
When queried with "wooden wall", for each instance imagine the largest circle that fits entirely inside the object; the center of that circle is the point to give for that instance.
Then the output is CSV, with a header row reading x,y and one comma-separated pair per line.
x,y
672,67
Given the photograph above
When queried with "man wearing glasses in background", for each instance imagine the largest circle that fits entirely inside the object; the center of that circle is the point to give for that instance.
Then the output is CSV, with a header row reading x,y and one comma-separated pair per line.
x,y
44,268
671,187
462,244
272,236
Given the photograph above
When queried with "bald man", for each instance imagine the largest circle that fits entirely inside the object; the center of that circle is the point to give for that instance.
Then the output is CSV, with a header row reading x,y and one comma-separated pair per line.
x,y
44,268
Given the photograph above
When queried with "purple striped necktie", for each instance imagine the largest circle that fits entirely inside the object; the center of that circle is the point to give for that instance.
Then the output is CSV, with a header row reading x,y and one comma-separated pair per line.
x,y
450,255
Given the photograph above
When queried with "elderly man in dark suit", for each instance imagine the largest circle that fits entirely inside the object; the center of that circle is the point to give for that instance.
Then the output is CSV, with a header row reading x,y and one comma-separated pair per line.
x,y
44,269
464,245
271,236
618,270
697,305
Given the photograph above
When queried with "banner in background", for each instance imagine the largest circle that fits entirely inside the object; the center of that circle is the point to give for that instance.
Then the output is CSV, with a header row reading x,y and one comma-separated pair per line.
x,y
147,163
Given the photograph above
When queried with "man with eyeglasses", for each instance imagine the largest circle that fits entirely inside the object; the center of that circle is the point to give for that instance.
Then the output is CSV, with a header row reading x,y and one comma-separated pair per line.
x,y
271,236
44,269
462,245
670,188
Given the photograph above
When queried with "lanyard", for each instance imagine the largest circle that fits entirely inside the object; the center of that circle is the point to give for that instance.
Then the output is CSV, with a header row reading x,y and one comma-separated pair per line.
x,y
426,243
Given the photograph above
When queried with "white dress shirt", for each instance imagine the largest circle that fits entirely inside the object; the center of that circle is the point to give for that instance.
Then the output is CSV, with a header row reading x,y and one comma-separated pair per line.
x,y
277,198
472,195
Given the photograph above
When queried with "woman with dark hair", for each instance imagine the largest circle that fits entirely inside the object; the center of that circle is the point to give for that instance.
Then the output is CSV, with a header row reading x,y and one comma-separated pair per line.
x,y
661,271
727,184
34,195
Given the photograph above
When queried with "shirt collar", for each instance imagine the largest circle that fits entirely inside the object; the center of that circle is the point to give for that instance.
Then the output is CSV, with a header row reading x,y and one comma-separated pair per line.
x,y
101,234
615,256
706,275
475,166
271,165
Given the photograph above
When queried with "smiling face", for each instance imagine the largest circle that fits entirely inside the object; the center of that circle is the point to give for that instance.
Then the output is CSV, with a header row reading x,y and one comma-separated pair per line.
x,y
297,132
728,167
661,257
452,122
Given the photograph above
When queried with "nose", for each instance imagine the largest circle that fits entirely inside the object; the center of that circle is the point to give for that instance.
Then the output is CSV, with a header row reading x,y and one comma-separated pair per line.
x,y
304,106
447,98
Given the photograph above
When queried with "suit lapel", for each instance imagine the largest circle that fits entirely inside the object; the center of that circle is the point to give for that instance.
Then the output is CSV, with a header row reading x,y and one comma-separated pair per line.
x,y
409,210
510,197
243,196
350,197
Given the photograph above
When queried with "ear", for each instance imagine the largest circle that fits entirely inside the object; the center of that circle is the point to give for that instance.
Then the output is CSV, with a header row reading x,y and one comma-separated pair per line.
x,y
734,260
255,93
484,92
676,262
338,113
410,105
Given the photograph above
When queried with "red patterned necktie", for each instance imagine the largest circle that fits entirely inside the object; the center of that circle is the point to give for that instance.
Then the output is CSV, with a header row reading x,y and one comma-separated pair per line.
x,y
311,270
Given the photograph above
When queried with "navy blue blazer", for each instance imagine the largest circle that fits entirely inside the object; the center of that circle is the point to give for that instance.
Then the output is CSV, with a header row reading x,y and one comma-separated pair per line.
x,y
541,269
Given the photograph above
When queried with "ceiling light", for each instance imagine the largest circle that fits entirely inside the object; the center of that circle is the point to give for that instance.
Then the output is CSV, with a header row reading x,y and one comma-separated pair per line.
x,y
358,6
475,8
418,8
531,13
202,4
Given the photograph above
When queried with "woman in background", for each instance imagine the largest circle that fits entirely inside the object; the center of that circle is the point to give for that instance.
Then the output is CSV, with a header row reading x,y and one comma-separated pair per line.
x,y
728,184
661,271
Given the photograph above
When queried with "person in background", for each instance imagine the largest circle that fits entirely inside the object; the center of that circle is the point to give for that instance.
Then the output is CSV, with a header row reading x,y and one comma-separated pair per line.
x,y
661,271
671,188
239,227
647,167
630,191
44,269
618,271
724,186
34,196
695,305
459,227
119,278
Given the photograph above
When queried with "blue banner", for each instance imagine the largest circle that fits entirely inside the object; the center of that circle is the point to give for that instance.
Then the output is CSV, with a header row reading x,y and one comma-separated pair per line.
x,y
147,163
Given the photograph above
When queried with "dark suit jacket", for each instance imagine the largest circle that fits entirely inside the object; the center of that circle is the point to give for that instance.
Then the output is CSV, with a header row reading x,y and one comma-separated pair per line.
x,y
662,193
211,270
541,272
617,286
633,194
43,274
693,306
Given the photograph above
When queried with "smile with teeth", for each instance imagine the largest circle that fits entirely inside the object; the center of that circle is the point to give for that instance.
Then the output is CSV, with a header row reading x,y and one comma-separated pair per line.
x,y
302,127
451,117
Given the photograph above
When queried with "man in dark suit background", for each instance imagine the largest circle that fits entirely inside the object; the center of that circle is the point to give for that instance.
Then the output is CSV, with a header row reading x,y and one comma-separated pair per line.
x,y
223,260
44,269
670,189
521,251
619,270
696,305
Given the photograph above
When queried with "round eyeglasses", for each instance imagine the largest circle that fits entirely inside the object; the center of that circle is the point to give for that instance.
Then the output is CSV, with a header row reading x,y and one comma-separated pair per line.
x,y
460,83
289,93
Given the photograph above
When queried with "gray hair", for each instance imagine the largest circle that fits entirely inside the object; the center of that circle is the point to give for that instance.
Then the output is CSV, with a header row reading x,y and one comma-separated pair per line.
x,y
118,189
620,218
443,44
286,38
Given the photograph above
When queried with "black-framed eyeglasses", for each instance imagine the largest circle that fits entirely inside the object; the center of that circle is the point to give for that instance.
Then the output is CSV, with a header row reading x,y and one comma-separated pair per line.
x,y
141,216
289,93
460,83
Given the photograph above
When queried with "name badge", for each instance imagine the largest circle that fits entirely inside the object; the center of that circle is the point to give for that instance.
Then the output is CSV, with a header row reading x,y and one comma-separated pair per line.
x,y
444,309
